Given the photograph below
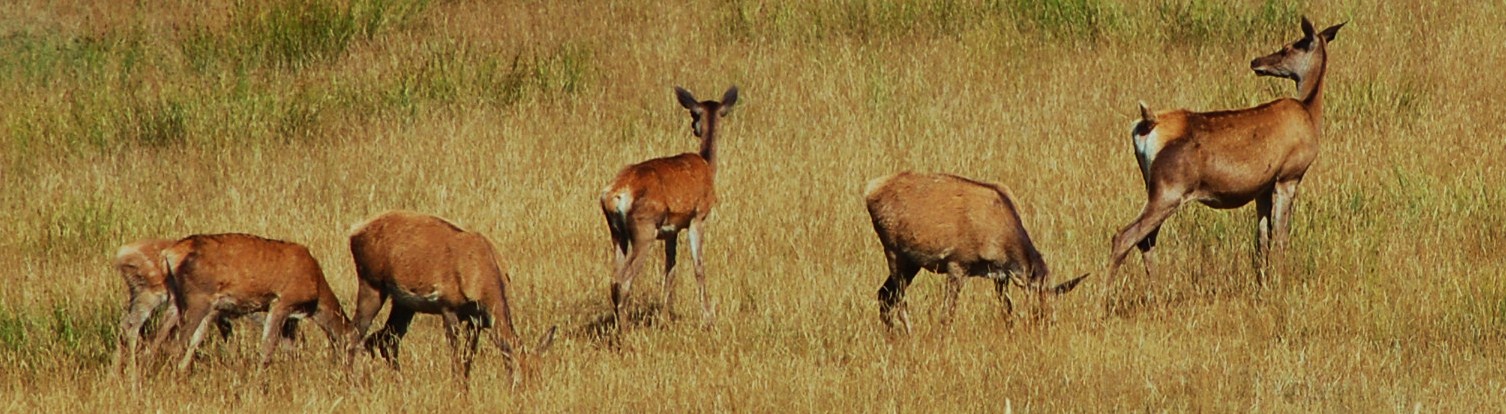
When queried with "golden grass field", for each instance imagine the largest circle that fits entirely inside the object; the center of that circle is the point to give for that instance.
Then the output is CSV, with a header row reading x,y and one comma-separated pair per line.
x,y
295,120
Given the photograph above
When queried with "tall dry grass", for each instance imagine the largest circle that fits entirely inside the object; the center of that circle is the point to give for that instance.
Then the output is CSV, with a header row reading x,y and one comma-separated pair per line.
x,y
295,119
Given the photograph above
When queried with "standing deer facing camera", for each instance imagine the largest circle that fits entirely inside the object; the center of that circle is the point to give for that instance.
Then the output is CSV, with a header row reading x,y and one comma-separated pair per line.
x,y
957,226
655,199
1226,159
428,265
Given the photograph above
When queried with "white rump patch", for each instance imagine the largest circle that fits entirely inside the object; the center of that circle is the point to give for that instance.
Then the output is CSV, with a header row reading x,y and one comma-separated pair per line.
x,y
624,202
1146,147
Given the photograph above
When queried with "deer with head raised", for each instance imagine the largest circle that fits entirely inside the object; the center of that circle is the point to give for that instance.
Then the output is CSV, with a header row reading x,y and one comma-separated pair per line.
x,y
227,275
955,226
425,264
1226,159
655,199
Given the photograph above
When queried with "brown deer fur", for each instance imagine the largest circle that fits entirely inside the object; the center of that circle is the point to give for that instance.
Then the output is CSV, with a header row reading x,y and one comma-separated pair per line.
x,y
655,199
140,265
1226,159
239,274
425,264
952,225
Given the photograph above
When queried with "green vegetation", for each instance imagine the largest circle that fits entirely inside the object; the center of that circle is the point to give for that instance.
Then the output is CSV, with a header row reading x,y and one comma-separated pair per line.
x,y
295,119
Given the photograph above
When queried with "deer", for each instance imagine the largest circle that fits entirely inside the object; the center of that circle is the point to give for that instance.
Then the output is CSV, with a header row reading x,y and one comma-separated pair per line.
x,y
955,226
230,275
425,264
141,266
1225,159
658,198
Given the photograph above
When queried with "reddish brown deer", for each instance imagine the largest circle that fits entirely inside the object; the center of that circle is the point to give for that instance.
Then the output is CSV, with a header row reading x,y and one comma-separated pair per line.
x,y
238,274
956,226
1226,159
655,199
428,265
140,265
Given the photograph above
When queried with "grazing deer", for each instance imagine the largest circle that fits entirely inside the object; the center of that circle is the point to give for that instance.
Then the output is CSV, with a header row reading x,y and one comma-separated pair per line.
x,y
655,199
957,226
1226,159
140,265
428,265
228,275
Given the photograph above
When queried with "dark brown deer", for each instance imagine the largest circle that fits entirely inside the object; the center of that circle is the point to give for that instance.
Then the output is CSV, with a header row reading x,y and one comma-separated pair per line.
x,y
1226,159
955,226
239,274
425,264
655,199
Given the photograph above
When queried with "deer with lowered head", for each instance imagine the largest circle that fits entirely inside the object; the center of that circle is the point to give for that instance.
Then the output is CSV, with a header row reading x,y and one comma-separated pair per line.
x,y
656,199
955,226
140,264
426,264
226,275
1226,159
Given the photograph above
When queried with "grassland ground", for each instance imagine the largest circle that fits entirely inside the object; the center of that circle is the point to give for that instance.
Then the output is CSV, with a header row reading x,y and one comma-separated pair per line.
x,y
296,119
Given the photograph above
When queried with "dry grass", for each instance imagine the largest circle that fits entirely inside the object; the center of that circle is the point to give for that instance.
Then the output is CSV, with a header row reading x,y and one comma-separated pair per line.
x,y
122,122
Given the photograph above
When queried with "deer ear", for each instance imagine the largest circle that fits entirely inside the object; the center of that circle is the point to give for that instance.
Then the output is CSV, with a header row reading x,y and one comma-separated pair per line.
x,y
1329,33
1146,113
729,98
686,99
1307,28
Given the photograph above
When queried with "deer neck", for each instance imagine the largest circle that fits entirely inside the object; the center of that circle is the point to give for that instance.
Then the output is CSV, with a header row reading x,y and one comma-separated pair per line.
x,y
708,143
1310,87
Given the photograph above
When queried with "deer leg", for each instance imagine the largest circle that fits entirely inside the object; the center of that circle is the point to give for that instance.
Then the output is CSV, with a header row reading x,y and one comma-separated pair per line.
x,y
622,282
452,333
697,254
954,274
197,318
271,330
1286,196
503,334
369,301
386,341
1281,216
1147,251
1001,289
167,331
138,310
892,294
471,331
670,247
1263,207
1155,212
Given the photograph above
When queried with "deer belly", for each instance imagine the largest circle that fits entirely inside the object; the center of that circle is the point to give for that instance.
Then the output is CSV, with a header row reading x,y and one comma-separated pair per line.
x,y
428,300
232,305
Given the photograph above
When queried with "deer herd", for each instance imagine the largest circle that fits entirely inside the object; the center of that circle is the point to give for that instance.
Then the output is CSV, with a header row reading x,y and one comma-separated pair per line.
x,y
939,222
